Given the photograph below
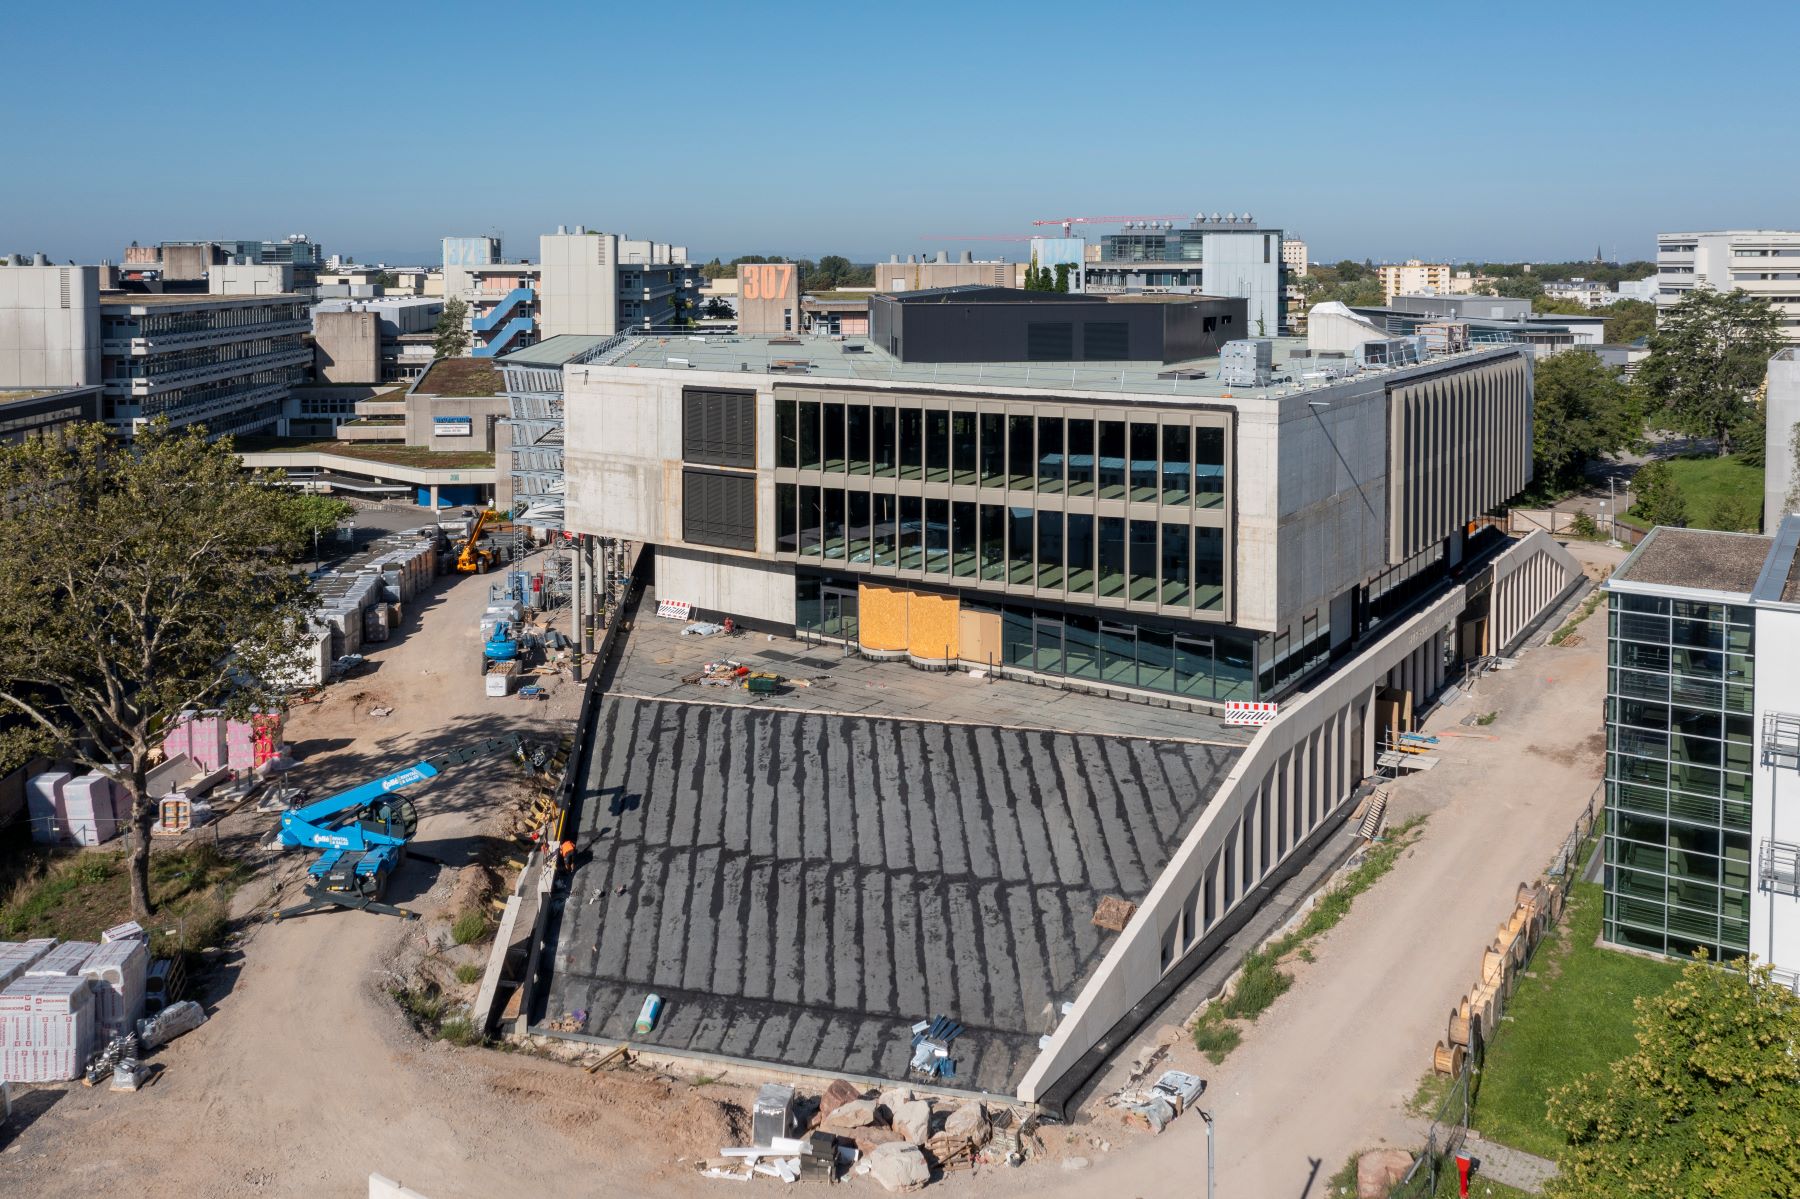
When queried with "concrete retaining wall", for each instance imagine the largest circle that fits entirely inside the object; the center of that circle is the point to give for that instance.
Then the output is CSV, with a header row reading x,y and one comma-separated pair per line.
x,y
1290,785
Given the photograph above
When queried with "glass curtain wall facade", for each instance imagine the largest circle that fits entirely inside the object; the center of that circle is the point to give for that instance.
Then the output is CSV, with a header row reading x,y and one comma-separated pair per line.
x,y
1680,752
1124,510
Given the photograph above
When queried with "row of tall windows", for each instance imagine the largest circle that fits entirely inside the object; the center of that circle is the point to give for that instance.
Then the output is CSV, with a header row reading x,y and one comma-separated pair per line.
x,y
1680,754
1142,561
1112,459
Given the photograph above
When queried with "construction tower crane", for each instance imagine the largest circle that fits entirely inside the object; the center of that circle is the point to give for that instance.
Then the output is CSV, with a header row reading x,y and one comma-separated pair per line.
x,y
1067,222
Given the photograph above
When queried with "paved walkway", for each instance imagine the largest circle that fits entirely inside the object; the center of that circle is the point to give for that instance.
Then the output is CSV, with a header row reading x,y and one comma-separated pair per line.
x,y
1526,1171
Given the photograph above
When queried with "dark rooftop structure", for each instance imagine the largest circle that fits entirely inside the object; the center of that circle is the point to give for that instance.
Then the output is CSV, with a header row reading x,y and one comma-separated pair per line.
x,y
1698,558
801,887
1003,324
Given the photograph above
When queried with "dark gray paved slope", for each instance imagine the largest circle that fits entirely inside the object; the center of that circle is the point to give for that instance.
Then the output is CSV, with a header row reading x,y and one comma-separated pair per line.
x,y
801,888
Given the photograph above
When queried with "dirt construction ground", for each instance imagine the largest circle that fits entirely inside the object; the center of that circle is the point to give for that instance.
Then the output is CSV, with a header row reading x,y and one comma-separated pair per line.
x,y
307,1077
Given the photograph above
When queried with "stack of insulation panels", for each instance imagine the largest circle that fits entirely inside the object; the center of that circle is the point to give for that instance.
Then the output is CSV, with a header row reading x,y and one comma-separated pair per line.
x,y
16,957
47,806
46,1028
201,736
63,961
116,971
92,811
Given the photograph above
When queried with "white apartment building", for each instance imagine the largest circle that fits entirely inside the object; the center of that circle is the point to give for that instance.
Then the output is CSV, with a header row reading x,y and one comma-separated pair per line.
x,y
1415,278
1293,256
1589,293
1763,262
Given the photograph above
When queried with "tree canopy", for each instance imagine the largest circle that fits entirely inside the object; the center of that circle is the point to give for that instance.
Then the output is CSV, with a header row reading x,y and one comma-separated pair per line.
x,y
1705,1106
158,581
1659,497
452,336
1708,358
829,272
1582,410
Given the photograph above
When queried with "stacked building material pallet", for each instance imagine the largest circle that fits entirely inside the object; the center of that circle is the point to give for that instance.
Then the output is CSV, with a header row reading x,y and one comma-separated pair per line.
x,y
92,809
116,972
16,957
47,805
46,1028
63,961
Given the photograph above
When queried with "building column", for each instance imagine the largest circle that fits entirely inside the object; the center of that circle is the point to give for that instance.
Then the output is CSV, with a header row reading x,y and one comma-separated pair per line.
x,y
434,497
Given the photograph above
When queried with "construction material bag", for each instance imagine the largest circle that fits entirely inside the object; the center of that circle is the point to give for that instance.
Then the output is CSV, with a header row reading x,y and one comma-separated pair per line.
x,y
171,1022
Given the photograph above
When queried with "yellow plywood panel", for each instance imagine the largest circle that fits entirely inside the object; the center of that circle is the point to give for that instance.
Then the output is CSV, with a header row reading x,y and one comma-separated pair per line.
x,y
934,626
881,617
978,636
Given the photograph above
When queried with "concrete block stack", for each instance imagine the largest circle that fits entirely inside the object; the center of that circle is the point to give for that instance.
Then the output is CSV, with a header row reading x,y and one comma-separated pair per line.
x,y
92,815
47,805
46,1028
115,971
358,597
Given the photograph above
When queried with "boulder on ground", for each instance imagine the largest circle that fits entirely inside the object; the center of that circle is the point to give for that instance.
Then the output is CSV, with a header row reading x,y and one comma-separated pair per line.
x,y
912,1120
969,1122
893,1097
868,1140
1378,1170
858,1113
899,1167
836,1095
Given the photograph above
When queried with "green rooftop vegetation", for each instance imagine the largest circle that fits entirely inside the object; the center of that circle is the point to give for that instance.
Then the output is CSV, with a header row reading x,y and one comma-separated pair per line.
x,y
463,377
396,455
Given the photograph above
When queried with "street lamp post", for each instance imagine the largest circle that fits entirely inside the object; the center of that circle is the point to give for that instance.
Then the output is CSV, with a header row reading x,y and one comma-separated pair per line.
x,y
1207,1116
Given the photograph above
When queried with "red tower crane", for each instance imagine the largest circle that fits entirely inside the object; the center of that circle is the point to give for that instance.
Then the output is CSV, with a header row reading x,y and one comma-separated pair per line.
x,y
1068,222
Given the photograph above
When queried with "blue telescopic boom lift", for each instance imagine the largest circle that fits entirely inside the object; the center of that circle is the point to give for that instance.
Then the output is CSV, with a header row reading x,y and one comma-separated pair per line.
x,y
363,831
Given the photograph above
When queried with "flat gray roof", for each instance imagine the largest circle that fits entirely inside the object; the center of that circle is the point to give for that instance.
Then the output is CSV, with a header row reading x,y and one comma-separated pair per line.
x,y
1702,559
555,351
18,395
859,359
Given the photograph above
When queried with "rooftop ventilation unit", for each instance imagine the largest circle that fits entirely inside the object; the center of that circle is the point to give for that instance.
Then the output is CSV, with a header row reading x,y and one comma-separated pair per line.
x,y
1247,363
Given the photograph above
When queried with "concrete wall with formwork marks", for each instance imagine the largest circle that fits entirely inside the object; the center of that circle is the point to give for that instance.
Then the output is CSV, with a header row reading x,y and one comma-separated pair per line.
x,y
1294,782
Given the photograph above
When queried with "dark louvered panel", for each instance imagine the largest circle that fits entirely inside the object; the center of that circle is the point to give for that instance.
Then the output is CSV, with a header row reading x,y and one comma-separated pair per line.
x,y
718,508
718,428
1106,341
1050,341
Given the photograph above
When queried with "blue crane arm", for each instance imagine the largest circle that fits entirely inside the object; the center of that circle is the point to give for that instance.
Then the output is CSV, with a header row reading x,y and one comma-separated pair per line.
x,y
309,826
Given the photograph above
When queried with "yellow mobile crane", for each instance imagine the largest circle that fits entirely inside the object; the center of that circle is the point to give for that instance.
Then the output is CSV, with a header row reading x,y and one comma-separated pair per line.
x,y
474,558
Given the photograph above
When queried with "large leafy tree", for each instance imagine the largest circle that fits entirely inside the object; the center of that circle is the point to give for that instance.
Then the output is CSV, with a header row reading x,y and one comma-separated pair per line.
x,y
1708,357
146,579
1583,410
1706,1104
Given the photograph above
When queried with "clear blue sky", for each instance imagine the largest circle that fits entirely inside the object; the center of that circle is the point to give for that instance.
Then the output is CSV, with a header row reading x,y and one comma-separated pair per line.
x,y
1522,130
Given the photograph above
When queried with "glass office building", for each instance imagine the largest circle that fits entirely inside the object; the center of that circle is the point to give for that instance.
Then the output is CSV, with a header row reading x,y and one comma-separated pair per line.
x,y
1680,751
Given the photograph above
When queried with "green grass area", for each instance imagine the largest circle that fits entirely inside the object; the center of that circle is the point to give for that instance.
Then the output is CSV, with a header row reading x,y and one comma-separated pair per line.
x,y
1262,981
75,895
1721,493
1573,1016
396,455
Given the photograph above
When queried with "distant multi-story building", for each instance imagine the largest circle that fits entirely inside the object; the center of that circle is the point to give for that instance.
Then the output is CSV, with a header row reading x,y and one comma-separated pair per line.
x,y
1762,262
602,283
191,261
1293,256
916,274
226,361
1589,293
1703,747
585,282
1228,256
1415,278
384,339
